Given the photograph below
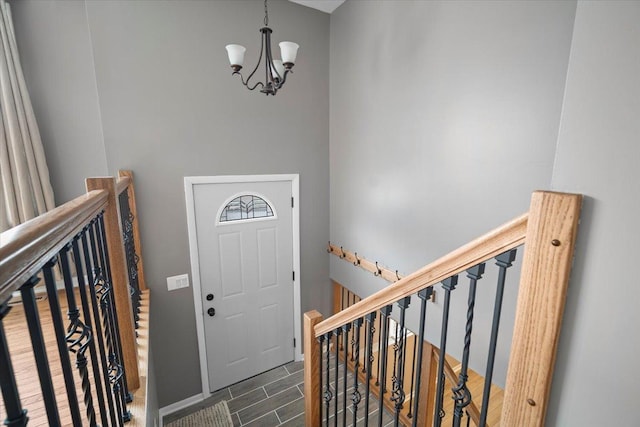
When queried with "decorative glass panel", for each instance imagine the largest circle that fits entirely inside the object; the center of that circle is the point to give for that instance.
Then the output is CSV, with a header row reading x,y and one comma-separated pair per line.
x,y
246,207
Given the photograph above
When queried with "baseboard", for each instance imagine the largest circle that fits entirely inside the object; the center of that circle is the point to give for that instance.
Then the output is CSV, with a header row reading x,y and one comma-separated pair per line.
x,y
174,407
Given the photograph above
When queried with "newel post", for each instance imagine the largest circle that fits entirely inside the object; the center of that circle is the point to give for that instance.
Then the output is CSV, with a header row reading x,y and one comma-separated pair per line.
x,y
548,255
312,353
119,278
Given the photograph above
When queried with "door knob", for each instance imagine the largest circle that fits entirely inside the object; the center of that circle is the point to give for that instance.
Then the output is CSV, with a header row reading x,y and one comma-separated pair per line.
x,y
209,297
211,312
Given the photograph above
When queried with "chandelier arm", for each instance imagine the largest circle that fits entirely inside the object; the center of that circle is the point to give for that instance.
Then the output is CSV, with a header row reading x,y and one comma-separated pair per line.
x,y
257,65
269,60
246,83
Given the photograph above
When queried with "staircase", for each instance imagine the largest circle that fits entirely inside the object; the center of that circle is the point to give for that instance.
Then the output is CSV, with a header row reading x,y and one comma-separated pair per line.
x,y
407,374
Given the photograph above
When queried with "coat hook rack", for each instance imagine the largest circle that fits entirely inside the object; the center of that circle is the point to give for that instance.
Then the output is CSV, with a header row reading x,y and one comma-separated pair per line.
x,y
389,275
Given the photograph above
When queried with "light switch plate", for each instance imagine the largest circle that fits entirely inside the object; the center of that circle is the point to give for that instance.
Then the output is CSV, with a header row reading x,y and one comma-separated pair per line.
x,y
178,282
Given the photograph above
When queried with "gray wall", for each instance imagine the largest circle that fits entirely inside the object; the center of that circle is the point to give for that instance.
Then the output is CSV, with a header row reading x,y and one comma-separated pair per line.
x,y
444,119
170,108
56,53
598,154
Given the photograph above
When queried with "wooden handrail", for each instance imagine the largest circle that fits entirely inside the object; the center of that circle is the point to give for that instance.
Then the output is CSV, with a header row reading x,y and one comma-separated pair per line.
x,y
25,248
122,183
497,241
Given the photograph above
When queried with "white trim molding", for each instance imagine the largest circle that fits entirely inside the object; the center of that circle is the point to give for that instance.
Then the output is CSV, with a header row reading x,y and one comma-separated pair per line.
x,y
189,183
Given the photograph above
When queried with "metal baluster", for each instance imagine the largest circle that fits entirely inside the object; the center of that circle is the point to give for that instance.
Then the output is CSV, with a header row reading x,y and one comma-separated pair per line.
x,y
448,285
353,338
355,396
126,218
338,333
371,328
413,373
345,330
424,296
86,313
384,337
103,292
56,317
503,261
328,395
394,376
16,416
118,374
342,289
321,393
98,332
39,350
379,349
78,336
398,395
461,393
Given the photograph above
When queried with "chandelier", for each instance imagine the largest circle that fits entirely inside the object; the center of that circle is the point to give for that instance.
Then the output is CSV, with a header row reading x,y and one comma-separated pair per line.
x,y
276,70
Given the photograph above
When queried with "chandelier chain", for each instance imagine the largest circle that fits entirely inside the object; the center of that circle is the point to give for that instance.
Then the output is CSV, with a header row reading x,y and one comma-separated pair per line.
x,y
266,14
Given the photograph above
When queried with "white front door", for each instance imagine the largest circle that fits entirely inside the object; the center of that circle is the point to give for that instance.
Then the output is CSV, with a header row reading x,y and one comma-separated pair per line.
x,y
245,256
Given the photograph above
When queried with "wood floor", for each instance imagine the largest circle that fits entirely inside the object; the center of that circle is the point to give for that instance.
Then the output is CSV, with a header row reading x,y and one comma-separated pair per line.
x,y
25,368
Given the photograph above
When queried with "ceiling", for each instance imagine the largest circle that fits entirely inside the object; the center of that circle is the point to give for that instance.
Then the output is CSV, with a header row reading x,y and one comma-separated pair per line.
x,y
327,6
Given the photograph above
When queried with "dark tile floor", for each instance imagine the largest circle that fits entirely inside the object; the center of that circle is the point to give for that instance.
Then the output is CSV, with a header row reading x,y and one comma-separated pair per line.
x,y
274,398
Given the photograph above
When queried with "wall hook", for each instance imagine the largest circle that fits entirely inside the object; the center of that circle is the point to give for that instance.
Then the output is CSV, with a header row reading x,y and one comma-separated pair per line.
x,y
342,255
357,261
377,272
397,277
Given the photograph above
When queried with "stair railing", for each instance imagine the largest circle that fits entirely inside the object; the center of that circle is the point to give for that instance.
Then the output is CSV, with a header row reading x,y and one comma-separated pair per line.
x,y
83,239
548,232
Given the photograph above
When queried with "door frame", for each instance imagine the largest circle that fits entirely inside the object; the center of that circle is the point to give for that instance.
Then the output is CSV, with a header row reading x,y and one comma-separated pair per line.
x,y
189,183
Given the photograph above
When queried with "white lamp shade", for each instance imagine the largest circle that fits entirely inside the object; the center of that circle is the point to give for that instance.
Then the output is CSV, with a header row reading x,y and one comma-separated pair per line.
x,y
236,54
289,50
277,66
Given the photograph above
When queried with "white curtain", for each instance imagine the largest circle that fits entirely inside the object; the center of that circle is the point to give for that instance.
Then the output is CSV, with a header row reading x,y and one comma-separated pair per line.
x,y
25,189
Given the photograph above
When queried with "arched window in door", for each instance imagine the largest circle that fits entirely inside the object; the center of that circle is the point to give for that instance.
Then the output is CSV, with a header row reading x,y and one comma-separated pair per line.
x,y
247,206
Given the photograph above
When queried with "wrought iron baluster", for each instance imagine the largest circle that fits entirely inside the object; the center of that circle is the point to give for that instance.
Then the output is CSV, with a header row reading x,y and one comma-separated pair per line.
x,y
91,266
16,415
398,394
503,261
338,334
328,394
424,295
103,291
345,330
394,376
58,326
356,397
86,313
384,337
321,373
370,329
130,253
353,337
379,349
342,289
461,393
118,374
39,350
448,285
413,373
78,337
